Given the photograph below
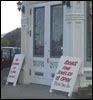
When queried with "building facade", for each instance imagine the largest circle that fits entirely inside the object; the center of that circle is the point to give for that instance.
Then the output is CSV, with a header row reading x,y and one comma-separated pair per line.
x,y
51,29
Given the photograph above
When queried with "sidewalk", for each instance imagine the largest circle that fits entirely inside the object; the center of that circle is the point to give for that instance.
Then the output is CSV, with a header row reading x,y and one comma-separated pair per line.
x,y
31,91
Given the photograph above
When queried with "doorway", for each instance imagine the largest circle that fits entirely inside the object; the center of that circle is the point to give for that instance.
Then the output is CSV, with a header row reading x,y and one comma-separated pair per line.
x,y
47,41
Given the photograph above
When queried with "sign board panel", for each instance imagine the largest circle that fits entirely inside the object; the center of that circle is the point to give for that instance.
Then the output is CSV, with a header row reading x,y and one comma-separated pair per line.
x,y
15,69
66,74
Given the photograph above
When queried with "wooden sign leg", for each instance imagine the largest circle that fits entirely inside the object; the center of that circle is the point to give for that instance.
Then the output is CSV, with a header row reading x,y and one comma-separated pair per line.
x,y
70,94
6,83
50,91
14,84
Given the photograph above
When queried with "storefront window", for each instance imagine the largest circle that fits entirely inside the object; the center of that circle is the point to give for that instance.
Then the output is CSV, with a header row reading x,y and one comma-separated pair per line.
x,y
39,31
89,32
56,31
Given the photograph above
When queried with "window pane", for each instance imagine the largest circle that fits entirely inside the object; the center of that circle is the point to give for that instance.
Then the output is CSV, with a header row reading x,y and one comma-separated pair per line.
x,y
89,31
56,31
39,31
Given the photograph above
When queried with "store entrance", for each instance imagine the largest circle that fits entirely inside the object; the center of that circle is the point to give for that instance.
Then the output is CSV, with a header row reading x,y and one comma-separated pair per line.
x,y
47,42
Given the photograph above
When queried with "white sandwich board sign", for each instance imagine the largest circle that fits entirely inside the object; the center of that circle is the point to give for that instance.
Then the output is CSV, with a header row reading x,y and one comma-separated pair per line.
x,y
66,74
15,69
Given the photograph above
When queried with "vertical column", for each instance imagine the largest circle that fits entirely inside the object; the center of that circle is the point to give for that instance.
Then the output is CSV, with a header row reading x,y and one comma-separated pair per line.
x,y
25,43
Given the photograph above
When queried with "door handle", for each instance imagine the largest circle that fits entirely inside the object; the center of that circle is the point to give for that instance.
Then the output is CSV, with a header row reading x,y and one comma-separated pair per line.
x,y
47,60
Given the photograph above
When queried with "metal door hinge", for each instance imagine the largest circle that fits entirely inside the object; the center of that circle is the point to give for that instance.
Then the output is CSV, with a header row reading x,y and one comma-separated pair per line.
x,y
30,33
30,72
30,11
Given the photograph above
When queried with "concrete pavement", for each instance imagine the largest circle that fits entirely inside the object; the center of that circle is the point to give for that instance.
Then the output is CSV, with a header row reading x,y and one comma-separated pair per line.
x,y
31,91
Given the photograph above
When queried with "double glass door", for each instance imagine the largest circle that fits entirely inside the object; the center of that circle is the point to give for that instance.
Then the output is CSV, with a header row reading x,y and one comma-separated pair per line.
x,y
47,42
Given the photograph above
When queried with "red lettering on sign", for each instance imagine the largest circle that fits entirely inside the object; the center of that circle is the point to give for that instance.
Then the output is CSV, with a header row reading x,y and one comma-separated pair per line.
x,y
66,68
67,62
13,71
65,79
14,67
59,72
70,73
57,77
15,63
65,73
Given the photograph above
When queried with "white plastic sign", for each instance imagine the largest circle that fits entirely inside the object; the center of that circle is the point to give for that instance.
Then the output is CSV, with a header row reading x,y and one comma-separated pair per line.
x,y
66,74
15,69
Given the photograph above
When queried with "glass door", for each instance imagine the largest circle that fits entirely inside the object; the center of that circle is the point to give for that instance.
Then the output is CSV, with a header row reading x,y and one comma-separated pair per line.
x,y
47,41
38,68
55,37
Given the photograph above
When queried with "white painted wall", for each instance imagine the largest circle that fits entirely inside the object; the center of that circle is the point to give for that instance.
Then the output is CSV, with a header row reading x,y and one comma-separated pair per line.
x,y
73,32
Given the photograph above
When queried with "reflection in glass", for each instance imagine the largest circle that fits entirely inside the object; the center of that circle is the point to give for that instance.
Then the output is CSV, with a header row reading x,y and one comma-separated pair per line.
x,y
56,31
39,31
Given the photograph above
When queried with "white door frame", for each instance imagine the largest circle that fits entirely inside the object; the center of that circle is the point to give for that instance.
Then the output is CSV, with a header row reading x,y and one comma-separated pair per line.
x,y
46,59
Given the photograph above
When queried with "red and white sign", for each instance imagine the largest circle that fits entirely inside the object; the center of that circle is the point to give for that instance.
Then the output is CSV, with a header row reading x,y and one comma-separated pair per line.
x,y
66,74
15,69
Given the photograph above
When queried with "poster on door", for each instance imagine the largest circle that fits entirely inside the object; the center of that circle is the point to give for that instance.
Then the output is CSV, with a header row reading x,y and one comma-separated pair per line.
x,y
15,69
66,74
